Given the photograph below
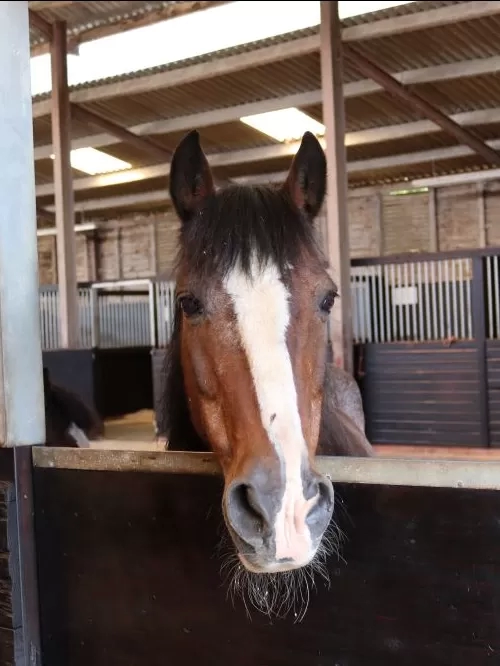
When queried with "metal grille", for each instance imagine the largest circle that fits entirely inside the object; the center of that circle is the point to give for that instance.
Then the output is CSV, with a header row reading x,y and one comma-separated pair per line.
x,y
414,301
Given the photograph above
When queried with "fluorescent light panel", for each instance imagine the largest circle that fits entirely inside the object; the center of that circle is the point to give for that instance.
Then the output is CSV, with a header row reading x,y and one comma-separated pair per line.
x,y
284,125
94,162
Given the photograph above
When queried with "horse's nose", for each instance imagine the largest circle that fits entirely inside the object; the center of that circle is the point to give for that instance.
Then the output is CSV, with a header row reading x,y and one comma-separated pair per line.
x,y
251,511
258,511
319,489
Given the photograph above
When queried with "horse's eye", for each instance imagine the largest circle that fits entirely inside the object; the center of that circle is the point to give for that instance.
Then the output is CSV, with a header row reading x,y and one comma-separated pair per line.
x,y
191,306
326,304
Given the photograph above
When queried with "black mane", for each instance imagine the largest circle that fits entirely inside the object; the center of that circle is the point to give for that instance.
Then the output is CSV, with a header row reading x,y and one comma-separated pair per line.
x,y
241,222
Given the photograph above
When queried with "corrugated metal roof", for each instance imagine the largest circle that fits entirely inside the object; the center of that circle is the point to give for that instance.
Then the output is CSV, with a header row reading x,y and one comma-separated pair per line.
x,y
90,20
454,42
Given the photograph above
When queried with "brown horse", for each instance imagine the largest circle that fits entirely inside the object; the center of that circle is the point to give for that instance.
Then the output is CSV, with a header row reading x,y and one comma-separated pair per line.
x,y
247,373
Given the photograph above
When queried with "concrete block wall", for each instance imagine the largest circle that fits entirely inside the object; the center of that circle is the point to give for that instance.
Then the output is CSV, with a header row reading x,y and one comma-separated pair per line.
x,y
382,221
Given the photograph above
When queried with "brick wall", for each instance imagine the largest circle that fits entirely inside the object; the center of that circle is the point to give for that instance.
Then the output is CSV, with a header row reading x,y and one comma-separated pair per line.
x,y
381,222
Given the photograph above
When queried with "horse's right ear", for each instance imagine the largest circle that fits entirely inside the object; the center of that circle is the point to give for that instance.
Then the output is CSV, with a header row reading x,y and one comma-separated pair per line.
x,y
306,180
191,181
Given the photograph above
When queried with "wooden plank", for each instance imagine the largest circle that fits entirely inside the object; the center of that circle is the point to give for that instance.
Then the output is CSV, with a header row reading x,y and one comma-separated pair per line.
x,y
426,473
419,393
153,586
304,99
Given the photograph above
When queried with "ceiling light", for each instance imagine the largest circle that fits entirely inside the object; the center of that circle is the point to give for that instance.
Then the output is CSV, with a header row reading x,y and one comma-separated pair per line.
x,y
94,162
284,125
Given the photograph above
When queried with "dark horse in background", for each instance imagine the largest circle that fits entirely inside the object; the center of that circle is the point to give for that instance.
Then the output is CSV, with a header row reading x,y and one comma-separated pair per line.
x,y
69,421
247,373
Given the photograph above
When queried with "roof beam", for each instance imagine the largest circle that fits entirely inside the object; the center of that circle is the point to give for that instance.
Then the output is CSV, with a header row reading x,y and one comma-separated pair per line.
x,y
43,26
107,25
424,20
122,201
436,73
394,87
258,57
125,135
234,113
458,179
258,155
121,133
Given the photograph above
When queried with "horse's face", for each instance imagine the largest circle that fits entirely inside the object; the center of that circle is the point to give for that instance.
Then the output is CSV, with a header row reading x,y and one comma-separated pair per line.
x,y
255,299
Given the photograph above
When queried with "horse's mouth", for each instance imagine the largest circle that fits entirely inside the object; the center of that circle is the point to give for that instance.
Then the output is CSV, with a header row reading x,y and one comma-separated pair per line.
x,y
260,560
272,567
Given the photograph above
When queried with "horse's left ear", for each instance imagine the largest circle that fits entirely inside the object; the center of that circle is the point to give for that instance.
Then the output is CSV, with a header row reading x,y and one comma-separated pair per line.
x,y
191,181
306,180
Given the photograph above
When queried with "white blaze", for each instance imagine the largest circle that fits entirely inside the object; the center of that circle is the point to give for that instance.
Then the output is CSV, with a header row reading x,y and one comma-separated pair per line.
x,y
261,305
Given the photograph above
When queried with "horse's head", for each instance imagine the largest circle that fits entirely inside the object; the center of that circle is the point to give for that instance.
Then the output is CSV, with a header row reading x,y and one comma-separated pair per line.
x,y
254,298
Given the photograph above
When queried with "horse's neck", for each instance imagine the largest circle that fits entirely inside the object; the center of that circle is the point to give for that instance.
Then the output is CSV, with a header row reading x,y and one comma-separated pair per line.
x,y
342,430
175,422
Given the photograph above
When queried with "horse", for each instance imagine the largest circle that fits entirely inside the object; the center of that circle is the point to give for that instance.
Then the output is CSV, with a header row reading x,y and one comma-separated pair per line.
x,y
247,375
69,421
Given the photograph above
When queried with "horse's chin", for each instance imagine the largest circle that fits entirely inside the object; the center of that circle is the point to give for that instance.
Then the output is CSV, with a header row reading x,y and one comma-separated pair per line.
x,y
273,567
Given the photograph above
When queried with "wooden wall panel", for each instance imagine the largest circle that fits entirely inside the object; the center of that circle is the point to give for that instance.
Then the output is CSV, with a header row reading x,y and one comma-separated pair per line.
x,y
421,393
132,575
493,364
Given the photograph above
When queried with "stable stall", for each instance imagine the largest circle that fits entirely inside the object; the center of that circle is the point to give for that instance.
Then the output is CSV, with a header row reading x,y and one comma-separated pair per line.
x,y
112,557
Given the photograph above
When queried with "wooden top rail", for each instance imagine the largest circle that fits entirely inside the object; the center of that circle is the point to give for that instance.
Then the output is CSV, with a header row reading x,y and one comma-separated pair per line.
x,y
472,474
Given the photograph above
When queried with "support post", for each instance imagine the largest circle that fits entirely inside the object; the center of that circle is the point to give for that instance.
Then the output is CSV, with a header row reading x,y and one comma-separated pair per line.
x,y
433,221
481,214
338,248
21,386
478,302
63,190
22,418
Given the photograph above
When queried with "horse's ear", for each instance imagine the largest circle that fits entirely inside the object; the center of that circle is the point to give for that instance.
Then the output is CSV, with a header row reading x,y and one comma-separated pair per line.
x,y
306,180
191,181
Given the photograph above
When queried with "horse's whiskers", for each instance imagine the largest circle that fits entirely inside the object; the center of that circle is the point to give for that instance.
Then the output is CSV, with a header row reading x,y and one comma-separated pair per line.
x,y
278,595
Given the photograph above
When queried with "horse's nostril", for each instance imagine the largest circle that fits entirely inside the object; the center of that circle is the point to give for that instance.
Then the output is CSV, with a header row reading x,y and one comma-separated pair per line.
x,y
320,514
248,512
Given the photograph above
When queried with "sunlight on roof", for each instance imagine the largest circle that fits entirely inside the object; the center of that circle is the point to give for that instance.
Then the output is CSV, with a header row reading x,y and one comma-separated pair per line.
x,y
189,36
94,162
284,125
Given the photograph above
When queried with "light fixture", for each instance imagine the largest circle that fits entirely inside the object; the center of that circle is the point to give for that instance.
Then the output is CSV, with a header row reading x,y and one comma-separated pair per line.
x,y
285,125
94,162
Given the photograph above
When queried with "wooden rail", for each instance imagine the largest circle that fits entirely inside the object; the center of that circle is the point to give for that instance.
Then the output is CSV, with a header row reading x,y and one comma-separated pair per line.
x,y
432,473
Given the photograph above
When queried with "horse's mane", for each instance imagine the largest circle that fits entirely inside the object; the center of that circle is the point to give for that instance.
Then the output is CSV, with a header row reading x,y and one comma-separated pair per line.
x,y
241,224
